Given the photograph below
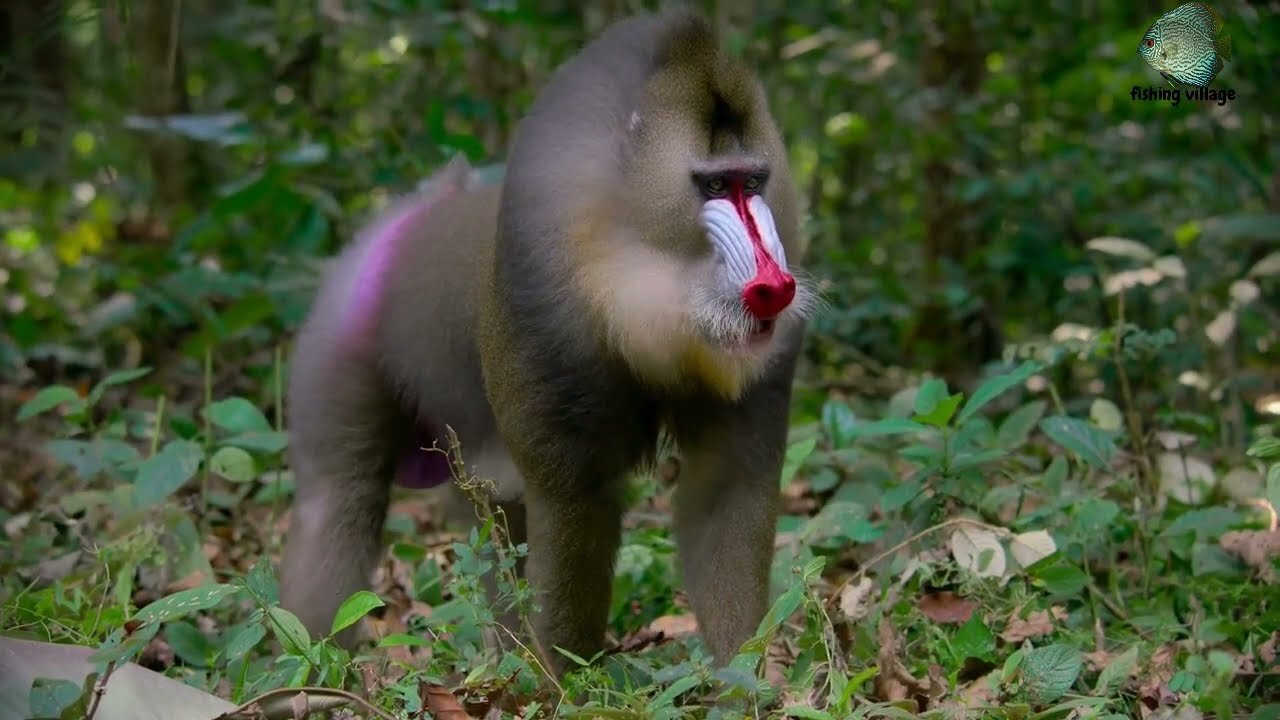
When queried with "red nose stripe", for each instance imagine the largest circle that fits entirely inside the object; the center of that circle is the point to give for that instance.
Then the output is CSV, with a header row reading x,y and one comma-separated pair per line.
x,y
772,289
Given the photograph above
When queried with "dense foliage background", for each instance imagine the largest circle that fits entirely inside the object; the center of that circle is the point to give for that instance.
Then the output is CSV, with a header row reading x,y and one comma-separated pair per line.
x,y
982,190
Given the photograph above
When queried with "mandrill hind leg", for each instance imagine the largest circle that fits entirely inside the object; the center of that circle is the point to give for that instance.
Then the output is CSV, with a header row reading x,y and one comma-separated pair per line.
x,y
343,444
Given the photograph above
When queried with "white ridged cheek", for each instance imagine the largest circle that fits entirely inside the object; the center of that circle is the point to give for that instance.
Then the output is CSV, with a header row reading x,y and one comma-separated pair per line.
x,y
730,238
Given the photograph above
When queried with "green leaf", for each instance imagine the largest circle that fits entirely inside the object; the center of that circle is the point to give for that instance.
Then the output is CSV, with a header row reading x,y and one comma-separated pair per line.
x,y
1011,666
188,643
1092,445
1265,449
1060,579
967,460
812,570
244,640
582,662
354,608
404,639
994,387
1093,517
1056,475
808,713
897,497
736,677
838,423
162,474
237,415
185,602
824,479
932,392
261,582
1183,681
50,696
1017,426
888,426
116,378
122,647
678,688
269,442
942,412
1116,672
786,604
48,399
233,464
1049,672
797,453
836,519
289,631
929,456
973,640
1207,523
1209,559
90,457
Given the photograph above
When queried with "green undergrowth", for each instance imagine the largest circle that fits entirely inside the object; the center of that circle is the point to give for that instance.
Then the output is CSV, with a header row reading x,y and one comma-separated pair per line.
x,y
1011,552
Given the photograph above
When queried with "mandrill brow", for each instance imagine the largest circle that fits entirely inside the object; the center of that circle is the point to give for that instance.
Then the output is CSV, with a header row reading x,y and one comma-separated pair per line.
x,y
632,275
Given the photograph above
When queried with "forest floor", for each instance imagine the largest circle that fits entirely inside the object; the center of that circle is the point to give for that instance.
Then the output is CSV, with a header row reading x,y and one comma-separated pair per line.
x,y
980,555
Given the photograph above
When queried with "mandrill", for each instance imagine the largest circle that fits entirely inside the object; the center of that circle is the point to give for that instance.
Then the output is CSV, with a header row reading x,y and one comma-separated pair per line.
x,y
631,275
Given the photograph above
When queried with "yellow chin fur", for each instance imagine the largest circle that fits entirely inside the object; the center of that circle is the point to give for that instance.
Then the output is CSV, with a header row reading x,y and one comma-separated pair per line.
x,y
640,296
726,375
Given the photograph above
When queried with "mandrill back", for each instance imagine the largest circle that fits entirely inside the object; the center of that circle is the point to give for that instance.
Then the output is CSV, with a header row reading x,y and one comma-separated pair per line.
x,y
394,316
403,300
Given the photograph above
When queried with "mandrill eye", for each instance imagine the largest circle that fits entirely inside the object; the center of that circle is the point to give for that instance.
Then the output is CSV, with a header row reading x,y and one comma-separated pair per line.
x,y
752,185
715,187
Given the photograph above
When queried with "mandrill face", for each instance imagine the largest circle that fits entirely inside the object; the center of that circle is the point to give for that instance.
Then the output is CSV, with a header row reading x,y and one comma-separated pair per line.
x,y
747,289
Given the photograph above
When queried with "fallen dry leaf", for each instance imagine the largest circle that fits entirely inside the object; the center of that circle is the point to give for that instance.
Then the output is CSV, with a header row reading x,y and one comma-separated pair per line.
x,y
853,599
1098,659
1028,548
889,687
977,550
1256,548
895,683
675,626
1037,623
193,579
1162,658
977,696
441,703
1267,650
642,638
1181,712
1153,692
1154,696
947,607
1183,478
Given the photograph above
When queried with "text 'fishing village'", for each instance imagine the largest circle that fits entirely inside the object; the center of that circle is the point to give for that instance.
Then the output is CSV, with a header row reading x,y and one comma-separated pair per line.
x,y
1175,95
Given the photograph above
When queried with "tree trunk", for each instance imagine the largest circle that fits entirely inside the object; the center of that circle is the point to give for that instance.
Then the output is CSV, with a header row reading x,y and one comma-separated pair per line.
x,y
33,85
155,31
955,342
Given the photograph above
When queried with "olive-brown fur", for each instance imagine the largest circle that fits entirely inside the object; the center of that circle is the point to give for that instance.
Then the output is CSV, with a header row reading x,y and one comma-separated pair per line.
x,y
549,325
